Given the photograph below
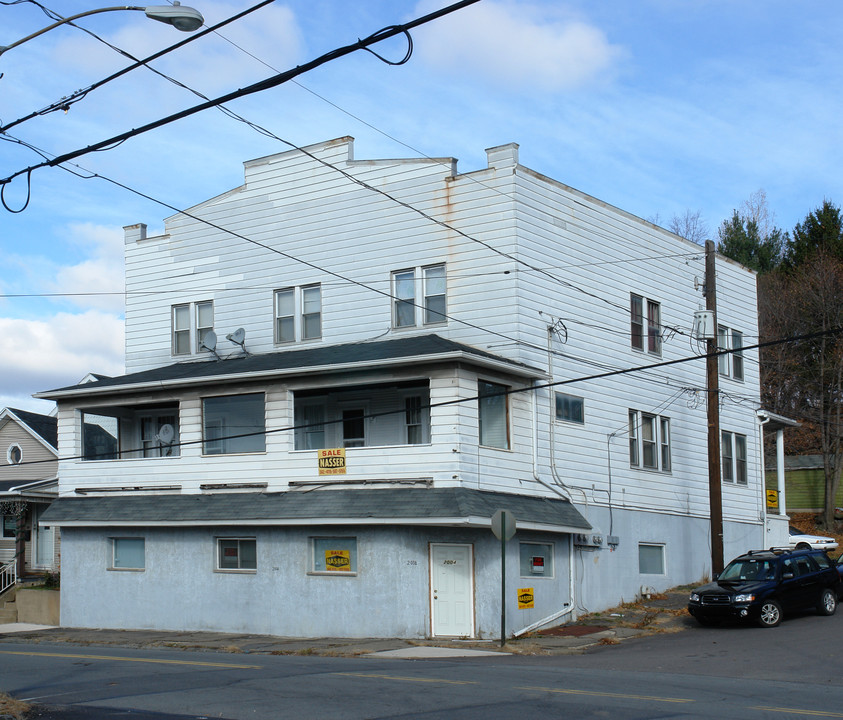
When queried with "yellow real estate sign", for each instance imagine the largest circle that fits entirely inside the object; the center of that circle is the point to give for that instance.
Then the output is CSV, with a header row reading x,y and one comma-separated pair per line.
x,y
332,461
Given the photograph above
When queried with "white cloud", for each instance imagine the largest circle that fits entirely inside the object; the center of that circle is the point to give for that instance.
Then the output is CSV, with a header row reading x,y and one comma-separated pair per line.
x,y
38,355
101,272
520,46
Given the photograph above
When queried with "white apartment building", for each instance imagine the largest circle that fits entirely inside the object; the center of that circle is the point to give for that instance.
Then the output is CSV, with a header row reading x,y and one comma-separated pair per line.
x,y
339,371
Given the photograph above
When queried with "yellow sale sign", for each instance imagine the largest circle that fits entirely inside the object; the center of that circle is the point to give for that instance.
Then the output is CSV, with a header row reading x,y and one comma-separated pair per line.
x,y
338,560
525,598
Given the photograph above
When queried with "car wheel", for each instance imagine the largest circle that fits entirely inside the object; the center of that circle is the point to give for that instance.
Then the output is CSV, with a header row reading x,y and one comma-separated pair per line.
x,y
828,603
771,614
803,546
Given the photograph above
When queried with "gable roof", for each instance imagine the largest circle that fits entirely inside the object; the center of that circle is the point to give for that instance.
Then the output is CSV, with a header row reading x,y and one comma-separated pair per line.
x,y
43,428
456,506
415,349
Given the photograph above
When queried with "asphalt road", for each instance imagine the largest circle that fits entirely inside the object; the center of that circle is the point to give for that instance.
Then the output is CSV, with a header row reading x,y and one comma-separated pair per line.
x,y
791,671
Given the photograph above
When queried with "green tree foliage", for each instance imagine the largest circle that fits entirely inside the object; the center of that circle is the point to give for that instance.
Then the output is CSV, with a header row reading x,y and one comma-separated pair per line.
x,y
741,240
821,232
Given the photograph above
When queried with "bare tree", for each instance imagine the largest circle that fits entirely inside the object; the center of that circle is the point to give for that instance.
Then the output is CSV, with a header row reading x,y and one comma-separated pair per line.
x,y
691,226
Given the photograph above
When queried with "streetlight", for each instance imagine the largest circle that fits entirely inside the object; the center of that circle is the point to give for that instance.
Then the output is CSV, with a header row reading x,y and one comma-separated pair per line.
x,y
181,18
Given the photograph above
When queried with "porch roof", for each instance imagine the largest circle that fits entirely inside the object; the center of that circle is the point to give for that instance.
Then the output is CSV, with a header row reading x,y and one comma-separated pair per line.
x,y
415,349
456,506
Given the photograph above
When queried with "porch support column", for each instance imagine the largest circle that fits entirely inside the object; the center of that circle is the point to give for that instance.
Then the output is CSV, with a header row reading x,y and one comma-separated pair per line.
x,y
780,470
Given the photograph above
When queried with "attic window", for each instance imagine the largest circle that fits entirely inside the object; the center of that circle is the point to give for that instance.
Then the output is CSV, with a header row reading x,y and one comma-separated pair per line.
x,y
14,455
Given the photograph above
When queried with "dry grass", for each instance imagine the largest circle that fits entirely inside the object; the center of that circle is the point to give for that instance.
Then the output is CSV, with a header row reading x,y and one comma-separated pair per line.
x,y
9,707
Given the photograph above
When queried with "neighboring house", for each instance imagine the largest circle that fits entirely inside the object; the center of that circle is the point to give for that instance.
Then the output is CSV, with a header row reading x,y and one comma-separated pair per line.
x,y
331,390
804,482
28,484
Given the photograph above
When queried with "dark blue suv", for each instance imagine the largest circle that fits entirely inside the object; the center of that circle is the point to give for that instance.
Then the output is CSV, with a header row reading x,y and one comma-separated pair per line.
x,y
762,585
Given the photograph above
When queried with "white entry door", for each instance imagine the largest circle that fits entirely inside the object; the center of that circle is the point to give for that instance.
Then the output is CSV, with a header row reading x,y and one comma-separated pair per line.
x,y
452,590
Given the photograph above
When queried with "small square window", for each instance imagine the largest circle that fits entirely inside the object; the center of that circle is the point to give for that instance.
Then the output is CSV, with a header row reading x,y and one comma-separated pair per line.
x,y
128,554
650,559
536,559
570,408
334,555
237,554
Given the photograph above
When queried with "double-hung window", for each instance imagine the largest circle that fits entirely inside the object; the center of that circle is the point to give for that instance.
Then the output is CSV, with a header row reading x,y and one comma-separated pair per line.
x,y
190,323
419,296
298,314
233,424
645,324
733,454
493,414
649,441
730,364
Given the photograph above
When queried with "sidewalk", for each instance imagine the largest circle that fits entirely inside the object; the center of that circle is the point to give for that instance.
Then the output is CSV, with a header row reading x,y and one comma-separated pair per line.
x,y
659,614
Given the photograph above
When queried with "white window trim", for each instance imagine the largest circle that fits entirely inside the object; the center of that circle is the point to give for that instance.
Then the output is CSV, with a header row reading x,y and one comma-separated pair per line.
x,y
507,415
238,570
636,439
663,547
551,553
113,547
646,329
419,298
193,330
10,451
572,397
733,458
311,570
298,314
726,337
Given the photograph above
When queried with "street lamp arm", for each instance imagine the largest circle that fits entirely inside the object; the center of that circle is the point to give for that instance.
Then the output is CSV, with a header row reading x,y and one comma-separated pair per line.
x,y
182,18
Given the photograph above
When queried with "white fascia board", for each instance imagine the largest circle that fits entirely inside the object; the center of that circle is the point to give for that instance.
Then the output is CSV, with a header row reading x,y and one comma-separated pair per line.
x,y
9,416
473,522
456,356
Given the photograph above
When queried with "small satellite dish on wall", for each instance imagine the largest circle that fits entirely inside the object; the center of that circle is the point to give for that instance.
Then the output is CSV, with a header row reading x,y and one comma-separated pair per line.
x,y
166,434
238,337
209,341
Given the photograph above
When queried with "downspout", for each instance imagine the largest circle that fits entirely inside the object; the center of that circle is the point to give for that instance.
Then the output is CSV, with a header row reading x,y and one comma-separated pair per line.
x,y
564,611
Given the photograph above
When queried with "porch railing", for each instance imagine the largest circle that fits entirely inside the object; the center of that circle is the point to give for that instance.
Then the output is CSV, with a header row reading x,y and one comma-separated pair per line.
x,y
8,575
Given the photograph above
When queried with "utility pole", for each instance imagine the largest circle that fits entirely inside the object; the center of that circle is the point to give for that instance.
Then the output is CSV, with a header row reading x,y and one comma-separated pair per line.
x,y
715,499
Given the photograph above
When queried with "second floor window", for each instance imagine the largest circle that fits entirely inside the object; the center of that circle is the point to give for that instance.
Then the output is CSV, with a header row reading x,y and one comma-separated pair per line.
x,y
298,314
419,296
733,454
731,364
645,324
649,441
233,424
493,414
190,323
570,408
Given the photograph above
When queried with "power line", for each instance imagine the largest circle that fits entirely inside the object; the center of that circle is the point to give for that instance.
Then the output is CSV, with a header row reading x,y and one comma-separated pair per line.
x,y
503,393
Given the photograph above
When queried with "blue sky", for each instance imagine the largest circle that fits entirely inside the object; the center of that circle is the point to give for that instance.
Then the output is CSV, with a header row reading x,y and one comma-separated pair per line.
x,y
657,107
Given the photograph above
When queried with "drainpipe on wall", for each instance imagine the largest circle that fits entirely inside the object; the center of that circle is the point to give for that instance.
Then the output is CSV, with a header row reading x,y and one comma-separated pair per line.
x,y
564,611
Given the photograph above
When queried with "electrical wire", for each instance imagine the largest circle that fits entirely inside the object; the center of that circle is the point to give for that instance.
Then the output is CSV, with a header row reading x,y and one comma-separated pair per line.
x,y
506,392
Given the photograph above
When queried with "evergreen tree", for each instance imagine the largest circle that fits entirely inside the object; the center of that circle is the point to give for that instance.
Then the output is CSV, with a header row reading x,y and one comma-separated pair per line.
x,y
820,232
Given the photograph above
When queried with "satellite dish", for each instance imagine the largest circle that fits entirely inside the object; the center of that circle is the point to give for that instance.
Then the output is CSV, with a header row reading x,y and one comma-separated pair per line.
x,y
238,337
209,341
166,434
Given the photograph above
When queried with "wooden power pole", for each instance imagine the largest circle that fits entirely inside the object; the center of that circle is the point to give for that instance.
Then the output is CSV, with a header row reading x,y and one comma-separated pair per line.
x,y
713,404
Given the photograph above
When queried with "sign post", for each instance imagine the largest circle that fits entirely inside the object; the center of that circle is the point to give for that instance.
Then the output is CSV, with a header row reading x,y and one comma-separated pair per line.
x,y
503,527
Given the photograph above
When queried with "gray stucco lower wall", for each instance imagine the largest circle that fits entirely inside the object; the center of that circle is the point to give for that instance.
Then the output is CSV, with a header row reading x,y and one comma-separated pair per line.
x,y
390,596
606,577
